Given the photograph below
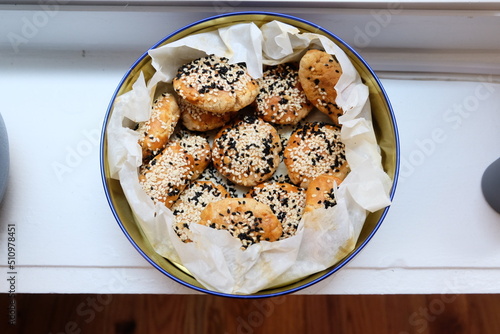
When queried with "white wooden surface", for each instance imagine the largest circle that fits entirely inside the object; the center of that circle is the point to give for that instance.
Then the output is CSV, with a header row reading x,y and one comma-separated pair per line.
x,y
439,236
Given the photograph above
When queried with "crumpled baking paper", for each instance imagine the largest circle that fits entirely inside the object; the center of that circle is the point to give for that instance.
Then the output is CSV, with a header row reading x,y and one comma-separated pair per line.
x,y
324,236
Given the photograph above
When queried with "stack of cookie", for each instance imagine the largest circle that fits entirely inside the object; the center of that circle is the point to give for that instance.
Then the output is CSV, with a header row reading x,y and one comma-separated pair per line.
x,y
246,149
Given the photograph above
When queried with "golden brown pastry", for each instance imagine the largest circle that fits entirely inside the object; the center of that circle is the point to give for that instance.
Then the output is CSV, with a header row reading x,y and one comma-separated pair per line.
x,y
281,99
313,149
319,72
156,131
167,174
184,158
285,200
244,218
321,192
247,151
197,147
192,201
213,84
196,119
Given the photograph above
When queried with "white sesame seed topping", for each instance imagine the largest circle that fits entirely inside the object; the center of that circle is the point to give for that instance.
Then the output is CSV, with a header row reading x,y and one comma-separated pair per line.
x,y
287,205
200,74
191,202
247,149
279,94
315,149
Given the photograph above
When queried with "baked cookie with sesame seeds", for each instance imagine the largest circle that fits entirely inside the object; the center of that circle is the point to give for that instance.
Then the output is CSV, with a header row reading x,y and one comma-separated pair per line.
x,y
183,160
314,148
247,151
213,84
281,99
192,201
197,147
167,174
285,200
156,131
321,192
244,218
319,72
197,119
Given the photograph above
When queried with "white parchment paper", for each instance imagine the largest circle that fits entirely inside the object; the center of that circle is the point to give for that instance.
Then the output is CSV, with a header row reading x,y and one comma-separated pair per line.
x,y
214,257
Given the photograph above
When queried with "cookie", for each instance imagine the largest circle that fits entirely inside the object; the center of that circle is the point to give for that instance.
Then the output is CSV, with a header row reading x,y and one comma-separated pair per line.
x,y
184,158
285,200
213,84
321,192
314,148
197,147
319,72
167,174
196,119
156,131
192,201
247,151
244,218
281,99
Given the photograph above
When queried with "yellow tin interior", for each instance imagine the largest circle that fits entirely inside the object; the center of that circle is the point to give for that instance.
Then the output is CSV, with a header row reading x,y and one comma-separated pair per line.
x,y
383,123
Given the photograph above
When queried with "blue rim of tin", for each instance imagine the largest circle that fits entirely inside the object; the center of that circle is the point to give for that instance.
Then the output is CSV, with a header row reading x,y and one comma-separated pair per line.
x,y
337,266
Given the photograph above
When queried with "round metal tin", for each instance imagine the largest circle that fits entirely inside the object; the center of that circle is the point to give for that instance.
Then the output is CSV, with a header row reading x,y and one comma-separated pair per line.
x,y
383,119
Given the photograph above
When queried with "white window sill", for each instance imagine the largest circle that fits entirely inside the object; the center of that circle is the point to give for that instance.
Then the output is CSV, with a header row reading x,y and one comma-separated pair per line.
x,y
403,36
439,236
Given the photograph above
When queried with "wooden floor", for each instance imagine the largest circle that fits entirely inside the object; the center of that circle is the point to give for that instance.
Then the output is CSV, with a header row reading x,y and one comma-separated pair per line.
x,y
126,314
